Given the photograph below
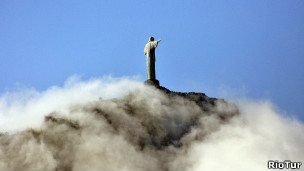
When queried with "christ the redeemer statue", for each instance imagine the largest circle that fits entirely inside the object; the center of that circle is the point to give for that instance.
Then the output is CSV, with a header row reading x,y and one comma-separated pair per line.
x,y
150,52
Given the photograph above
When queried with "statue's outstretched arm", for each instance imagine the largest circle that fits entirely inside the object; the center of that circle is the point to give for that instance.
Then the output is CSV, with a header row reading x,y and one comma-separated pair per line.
x,y
159,40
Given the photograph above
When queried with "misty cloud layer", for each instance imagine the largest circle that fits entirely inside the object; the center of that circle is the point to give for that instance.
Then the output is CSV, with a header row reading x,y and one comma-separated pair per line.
x,y
119,124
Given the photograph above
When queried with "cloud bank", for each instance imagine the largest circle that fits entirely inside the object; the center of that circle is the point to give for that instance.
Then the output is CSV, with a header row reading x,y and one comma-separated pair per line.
x,y
119,124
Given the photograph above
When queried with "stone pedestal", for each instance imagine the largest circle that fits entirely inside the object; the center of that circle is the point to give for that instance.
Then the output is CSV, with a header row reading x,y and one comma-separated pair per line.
x,y
152,82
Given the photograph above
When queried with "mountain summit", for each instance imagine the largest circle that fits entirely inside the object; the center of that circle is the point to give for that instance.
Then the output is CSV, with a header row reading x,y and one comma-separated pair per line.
x,y
147,129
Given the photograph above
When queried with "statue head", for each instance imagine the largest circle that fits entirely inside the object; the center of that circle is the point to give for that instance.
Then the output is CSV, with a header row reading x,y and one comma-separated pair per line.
x,y
151,39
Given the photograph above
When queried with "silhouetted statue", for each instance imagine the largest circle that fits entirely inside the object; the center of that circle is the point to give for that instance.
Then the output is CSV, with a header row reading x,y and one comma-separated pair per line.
x,y
150,52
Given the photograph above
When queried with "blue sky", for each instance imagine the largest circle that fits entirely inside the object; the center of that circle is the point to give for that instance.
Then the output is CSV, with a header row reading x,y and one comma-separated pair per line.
x,y
256,47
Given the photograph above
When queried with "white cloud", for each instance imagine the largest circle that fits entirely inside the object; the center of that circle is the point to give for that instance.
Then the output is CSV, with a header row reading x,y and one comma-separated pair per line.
x,y
126,133
27,108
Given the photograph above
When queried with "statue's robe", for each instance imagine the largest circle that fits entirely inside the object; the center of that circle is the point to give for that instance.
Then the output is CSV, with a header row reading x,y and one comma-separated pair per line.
x,y
150,52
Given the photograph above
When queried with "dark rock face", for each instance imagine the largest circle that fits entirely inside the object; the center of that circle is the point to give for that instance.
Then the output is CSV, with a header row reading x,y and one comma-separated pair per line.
x,y
218,108
207,104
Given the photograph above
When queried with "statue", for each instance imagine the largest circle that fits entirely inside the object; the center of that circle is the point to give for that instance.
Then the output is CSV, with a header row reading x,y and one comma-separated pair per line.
x,y
150,52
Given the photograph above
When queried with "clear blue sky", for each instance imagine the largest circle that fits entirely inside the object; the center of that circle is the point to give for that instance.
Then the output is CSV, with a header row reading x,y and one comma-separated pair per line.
x,y
256,45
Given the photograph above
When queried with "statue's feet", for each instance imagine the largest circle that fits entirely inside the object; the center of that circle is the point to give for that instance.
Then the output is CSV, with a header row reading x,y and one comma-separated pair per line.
x,y
152,82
